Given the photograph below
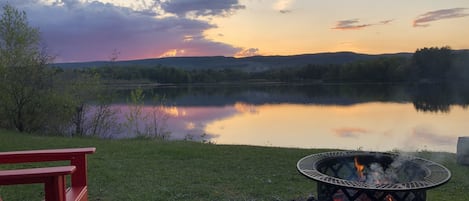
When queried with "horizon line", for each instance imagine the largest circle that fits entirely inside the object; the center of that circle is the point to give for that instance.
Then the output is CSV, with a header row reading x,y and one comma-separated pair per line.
x,y
291,55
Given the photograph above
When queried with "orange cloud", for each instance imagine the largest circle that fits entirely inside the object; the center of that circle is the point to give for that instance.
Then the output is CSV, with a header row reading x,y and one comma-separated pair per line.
x,y
172,53
424,19
247,52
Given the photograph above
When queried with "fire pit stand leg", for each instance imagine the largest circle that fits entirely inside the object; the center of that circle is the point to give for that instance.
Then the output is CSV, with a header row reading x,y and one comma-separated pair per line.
x,y
327,192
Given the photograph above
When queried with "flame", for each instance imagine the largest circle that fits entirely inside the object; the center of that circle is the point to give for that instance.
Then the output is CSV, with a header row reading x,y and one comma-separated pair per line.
x,y
359,168
389,198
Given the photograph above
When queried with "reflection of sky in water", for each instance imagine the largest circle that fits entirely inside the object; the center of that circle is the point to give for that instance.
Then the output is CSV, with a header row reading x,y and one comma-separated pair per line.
x,y
183,122
368,126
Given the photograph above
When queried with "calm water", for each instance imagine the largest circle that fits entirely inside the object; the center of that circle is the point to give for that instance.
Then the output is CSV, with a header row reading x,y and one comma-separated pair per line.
x,y
367,117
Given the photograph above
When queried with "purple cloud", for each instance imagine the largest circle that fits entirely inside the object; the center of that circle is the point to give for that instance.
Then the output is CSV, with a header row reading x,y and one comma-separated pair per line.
x,y
77,31
352,24
202,7
424,19
386,21
425,135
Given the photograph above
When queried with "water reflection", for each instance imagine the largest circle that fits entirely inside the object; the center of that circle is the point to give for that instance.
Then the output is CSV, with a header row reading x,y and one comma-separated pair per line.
x,y
425,97
370,117
370,126
439,97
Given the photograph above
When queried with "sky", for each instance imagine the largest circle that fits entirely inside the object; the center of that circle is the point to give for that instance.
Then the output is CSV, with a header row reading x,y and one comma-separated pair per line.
x,y
91,30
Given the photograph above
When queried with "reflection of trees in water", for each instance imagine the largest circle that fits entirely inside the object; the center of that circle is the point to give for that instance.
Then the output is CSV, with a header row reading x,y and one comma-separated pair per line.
x,y
324,94
425,97
432,98
439,97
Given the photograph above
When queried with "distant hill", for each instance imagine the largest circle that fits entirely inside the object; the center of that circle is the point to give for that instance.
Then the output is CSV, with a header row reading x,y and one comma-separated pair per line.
x,y
255,63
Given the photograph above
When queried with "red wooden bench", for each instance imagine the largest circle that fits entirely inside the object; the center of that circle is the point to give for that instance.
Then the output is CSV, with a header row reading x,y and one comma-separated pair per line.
x,y
53,178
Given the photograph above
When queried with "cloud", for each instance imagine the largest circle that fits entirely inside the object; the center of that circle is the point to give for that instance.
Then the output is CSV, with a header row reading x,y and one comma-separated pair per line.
x,y
247,52
425,135
86,31
386,21
283,6
424,19
202,7
354,24
350,132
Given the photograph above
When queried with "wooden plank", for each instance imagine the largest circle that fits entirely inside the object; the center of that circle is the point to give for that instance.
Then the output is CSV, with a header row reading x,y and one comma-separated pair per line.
x,y
53,179
77,194
54,188
33,175
44,155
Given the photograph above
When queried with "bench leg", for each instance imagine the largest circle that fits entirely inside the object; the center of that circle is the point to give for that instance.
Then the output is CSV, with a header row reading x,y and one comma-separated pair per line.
x,y
54,188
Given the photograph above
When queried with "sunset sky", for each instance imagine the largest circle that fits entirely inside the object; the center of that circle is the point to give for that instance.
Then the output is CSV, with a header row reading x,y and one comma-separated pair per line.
x,y
89,30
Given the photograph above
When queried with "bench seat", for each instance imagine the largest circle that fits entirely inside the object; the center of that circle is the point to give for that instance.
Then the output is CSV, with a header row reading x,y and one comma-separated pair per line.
x,y
53,178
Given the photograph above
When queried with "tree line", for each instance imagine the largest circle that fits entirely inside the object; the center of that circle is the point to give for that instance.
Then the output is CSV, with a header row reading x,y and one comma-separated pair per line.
x,y
435,64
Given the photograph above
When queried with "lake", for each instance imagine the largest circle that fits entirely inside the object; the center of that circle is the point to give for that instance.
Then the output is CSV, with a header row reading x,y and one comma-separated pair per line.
x,y
373,117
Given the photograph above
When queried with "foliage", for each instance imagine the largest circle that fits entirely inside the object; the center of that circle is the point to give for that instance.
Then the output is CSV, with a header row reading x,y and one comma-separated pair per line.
x,y
36,97
27,84
432,63
135,116
386,69
157,118
146,121
460,70
103,118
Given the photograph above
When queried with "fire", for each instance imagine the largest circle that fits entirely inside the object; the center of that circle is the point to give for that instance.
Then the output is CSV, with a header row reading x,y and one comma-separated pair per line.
x,y
389,198
359,168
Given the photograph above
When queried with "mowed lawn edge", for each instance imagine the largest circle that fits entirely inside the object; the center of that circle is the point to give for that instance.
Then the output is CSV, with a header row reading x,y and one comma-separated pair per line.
x,y
142,169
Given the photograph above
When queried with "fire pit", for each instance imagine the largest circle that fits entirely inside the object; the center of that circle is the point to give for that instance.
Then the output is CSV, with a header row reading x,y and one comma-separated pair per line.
x,y
372,176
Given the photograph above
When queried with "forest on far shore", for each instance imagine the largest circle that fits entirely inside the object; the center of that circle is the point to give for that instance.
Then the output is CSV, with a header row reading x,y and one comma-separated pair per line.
x,y
434,64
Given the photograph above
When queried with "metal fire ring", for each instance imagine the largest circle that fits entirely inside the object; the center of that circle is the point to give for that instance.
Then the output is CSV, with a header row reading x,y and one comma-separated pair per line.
x,y
435,174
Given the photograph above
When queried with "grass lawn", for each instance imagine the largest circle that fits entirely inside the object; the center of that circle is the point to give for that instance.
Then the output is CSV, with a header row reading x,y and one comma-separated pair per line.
x,y
141,170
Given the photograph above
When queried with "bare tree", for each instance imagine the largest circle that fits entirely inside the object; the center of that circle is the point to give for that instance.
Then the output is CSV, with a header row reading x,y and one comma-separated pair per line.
x,y
157,118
